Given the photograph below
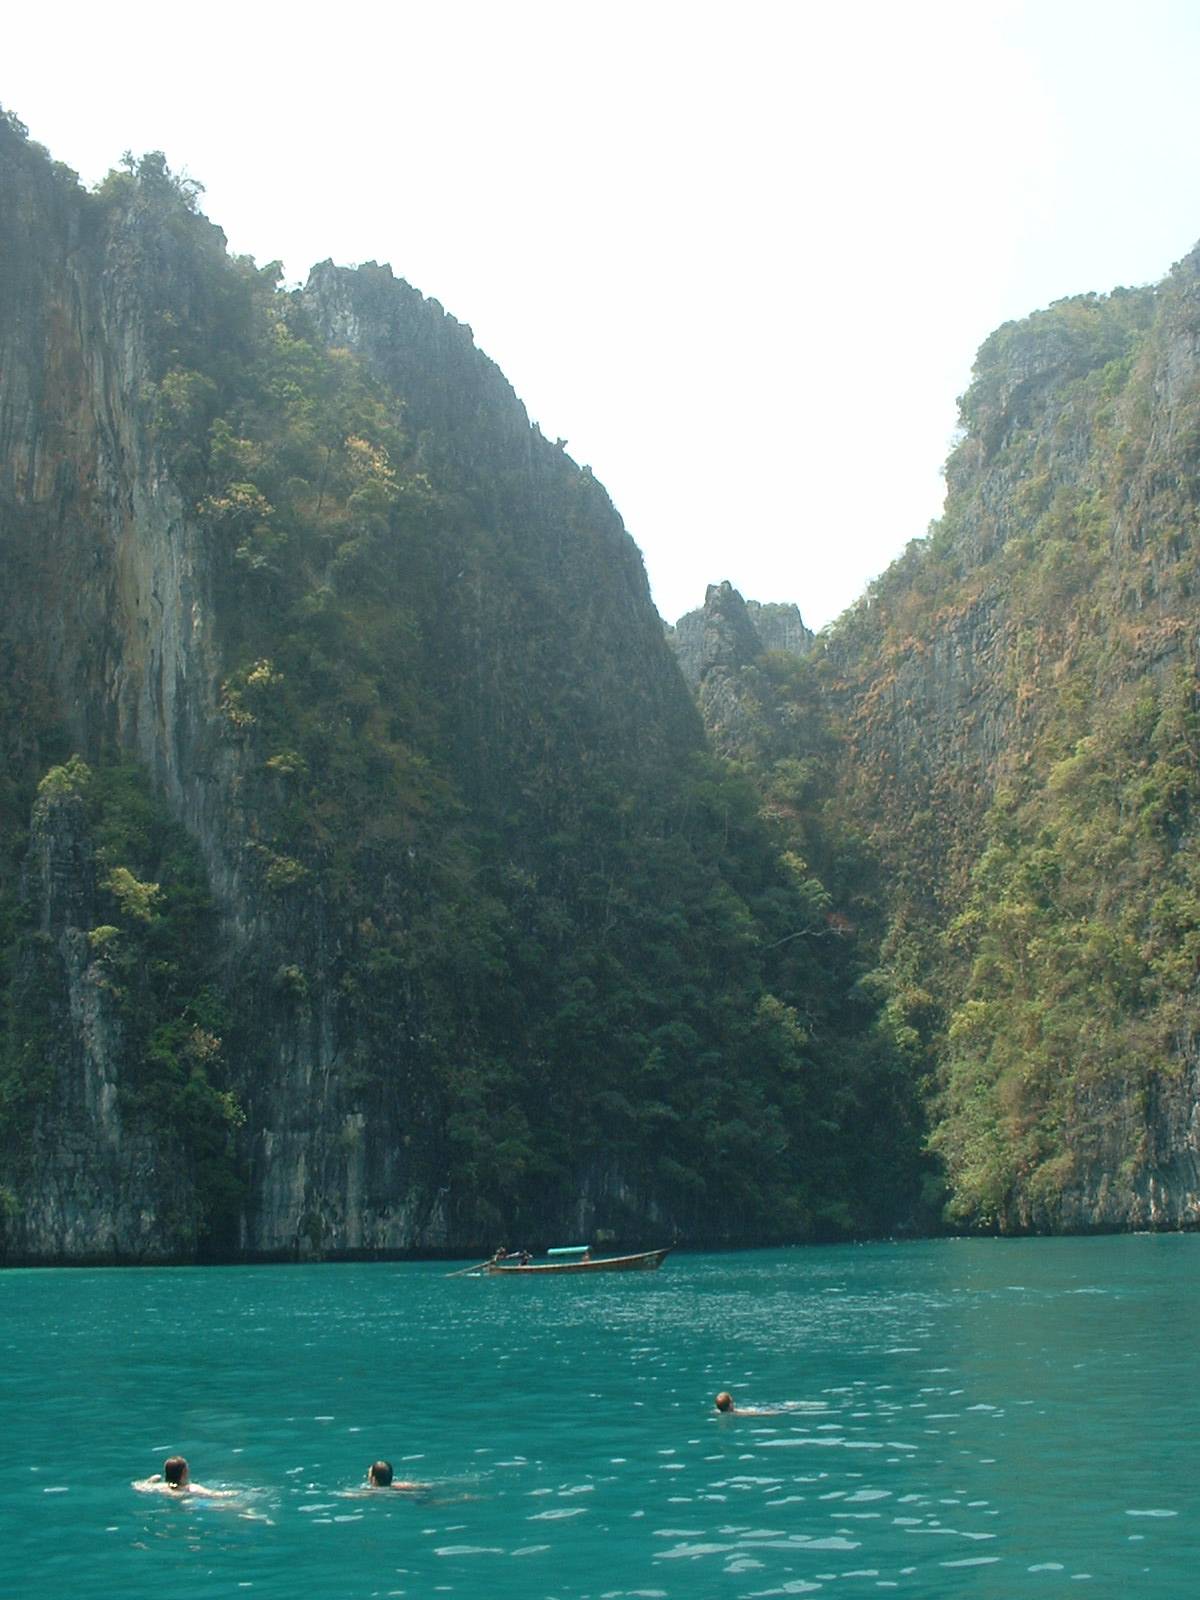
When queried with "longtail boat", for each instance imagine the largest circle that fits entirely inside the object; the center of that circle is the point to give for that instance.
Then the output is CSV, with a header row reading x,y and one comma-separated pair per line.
x,y
570,1258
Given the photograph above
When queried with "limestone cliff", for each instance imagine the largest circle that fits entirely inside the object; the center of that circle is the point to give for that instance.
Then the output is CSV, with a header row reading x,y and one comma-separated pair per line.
x,y
96,1194
1016,704
104,617
368,884
109,607
1018,696
719,648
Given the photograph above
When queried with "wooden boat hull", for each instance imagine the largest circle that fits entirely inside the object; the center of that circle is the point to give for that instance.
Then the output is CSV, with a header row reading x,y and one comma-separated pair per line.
x,y
645,1261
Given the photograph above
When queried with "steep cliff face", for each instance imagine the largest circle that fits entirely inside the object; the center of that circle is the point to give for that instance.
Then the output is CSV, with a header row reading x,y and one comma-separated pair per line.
x,y
398,898
580,606
758,676
108,615
372,879
95,532
104,619
92,1187
1019,693
719,649
1012,716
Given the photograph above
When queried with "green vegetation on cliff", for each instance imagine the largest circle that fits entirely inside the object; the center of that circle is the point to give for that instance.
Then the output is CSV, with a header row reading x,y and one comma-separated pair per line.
x,y
1083,927
145,952
495,942
364,862
1021,692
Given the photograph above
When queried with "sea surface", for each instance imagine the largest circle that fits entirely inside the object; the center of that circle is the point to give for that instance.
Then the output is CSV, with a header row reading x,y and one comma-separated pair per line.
x,y
984,1418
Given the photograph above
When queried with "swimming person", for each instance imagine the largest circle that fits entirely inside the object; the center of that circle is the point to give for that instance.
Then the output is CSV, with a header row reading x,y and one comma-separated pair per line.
x,y
380,1476
727,1408
176,1478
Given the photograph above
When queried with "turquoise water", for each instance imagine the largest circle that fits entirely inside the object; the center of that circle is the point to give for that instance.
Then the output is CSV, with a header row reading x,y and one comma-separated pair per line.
x,y
990,1419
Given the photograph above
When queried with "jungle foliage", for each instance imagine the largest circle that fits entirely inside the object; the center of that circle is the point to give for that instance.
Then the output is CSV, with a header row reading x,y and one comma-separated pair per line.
x,y
1058,940
150,956
934,910
555,935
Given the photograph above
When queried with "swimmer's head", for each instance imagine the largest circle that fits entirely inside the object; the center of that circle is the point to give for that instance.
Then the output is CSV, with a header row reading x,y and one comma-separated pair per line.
x,y
175,1471
724,1401
380,1475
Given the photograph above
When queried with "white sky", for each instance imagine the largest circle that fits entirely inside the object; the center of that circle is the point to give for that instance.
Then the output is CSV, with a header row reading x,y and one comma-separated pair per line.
x,y
740,255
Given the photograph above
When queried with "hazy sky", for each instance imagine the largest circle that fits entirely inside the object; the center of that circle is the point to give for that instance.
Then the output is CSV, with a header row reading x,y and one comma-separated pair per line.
x,y
739,255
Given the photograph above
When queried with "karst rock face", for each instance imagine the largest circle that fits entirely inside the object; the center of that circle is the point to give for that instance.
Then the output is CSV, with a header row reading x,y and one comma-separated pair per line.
x,y
1017,704
348,825
377,875
104,622
719,649
1027,726
114,619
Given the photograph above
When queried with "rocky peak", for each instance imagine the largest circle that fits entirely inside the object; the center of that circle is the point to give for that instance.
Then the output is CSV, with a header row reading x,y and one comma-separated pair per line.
x,y
731,633
780,627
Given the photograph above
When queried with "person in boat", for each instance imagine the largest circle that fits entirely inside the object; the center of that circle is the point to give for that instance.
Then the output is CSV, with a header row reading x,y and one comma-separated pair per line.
x,y
176,1478
381,1476
503,1254
727,1407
